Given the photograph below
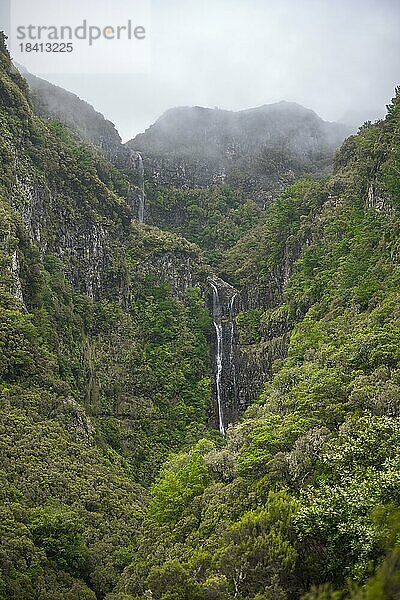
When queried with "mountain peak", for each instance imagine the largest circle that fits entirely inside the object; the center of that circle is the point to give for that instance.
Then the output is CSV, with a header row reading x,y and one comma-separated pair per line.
x,y
207,145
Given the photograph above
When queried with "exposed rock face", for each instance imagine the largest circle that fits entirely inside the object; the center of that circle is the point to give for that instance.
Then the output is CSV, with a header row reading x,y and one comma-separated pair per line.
x,y
139,169
34,211
377,199
77,421
246,363
181,270
16,287
261,149
10,269
255,360
78,240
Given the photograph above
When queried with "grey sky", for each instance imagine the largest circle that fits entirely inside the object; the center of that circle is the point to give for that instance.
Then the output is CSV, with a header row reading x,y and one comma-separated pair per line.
x,y
339,57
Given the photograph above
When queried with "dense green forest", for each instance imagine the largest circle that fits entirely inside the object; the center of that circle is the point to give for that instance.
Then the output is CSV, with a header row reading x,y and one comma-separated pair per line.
x,y
115,483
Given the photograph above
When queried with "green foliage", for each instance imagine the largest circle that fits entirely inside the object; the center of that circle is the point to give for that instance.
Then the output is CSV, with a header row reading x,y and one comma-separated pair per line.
x,y
58,531
263,247
104,374
172,582
214,219
151,388
182,478
271,435
104,363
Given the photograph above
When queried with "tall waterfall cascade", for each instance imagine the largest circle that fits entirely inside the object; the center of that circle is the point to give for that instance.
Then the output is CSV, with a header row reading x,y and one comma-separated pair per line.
x,y
224,355
136,171
141,205
218,355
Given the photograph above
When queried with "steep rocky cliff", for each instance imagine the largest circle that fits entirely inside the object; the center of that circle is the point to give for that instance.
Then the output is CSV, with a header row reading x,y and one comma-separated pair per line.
x,y
302,500
86,247
268,146
241,160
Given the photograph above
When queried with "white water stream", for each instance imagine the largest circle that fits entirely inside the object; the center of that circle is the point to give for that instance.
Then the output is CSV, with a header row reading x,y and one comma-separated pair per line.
x,y
218,330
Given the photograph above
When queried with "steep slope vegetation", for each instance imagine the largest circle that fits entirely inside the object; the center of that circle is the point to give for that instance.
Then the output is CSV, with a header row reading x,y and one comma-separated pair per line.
x,y
303,498
55,104
104,371
103,353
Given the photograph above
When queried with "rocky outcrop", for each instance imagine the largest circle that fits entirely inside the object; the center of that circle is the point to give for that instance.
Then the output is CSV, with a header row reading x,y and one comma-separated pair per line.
x,y
378,200
76,239
260,150
254,357
180,269
76,420
184,172
16,286
240,367
10,268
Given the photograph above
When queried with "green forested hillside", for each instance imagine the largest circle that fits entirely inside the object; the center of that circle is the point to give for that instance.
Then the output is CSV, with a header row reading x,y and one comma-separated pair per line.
x,y
96,381
113,483
214,219
302,500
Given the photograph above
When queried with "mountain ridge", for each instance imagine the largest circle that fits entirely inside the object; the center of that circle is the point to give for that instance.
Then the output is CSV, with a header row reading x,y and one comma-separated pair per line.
x,y
259,150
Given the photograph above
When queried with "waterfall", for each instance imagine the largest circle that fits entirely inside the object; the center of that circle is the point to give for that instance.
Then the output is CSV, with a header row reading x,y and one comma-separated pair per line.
x,y
141,207
141,192
217,312
223,310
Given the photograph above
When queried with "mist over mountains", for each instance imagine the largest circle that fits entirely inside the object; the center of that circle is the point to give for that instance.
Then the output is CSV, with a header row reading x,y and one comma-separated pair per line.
x,y
260,149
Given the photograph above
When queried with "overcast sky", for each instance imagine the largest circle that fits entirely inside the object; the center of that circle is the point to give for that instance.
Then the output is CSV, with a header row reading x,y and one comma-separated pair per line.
x,y
338,57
